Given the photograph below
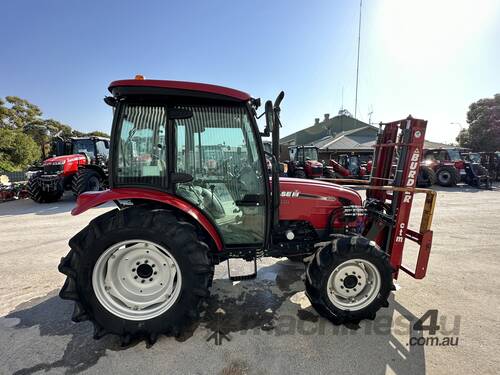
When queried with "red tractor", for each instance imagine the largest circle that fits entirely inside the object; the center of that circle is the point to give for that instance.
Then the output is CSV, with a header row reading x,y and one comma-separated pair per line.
x,y
78,164
350,166
304,163
143,269
448,165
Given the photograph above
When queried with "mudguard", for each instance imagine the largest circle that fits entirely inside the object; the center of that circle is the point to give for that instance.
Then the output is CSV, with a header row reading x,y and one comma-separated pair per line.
x,y
91,199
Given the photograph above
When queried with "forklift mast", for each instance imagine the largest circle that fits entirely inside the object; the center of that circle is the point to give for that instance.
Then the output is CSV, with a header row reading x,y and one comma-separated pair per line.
x,y
400,143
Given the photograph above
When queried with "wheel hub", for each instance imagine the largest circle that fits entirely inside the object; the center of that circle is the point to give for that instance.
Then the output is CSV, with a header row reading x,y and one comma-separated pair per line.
x,y
136,279
145,271
353,284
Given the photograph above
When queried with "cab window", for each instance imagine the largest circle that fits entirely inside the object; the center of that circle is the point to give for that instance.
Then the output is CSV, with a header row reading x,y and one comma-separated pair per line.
x,y
217,147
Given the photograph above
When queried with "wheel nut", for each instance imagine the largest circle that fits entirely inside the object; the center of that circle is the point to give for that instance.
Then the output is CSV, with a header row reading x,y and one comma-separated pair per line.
x,y
135,277
146,261
153,266
133,269
142,281
137,263
155,273
151,279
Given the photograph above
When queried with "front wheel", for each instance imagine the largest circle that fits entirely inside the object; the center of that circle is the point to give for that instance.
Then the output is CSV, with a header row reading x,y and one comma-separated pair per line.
x,y
38,195
349,279
299,173
137,273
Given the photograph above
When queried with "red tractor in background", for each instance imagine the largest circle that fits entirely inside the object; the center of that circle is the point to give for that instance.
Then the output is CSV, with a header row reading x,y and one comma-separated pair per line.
x,y
304,163
143,269
79,164
350,166
448,165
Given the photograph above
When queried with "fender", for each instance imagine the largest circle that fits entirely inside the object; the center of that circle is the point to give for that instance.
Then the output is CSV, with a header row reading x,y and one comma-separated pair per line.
x,y
91,199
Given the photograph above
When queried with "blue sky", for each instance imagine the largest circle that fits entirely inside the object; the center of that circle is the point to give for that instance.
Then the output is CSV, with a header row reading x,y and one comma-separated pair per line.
x,y
427,58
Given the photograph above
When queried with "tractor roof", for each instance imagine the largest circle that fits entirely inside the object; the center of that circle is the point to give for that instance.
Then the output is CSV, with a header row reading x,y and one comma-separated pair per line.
x,y
178,86
89,137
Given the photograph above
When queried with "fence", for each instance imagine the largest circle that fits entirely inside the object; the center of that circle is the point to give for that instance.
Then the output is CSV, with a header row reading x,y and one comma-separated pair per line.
x,y
14,176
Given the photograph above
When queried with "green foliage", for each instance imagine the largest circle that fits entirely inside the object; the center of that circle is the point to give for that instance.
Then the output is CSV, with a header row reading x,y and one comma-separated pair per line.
x,y
463,138
19,113
25,118
483,133
17,150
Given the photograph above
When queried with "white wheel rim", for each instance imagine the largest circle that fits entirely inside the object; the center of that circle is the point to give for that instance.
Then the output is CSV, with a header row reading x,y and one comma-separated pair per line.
x,y
136,280
353,284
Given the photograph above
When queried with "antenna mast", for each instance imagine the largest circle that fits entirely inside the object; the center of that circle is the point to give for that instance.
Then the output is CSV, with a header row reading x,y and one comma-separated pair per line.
x,y
357,64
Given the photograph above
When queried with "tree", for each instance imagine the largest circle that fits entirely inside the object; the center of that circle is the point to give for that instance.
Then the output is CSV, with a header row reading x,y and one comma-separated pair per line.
x,y
463,138
17,150
20,113
483,133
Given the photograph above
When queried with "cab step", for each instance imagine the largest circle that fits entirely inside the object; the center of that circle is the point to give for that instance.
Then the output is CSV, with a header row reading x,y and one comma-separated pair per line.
x,y
249,276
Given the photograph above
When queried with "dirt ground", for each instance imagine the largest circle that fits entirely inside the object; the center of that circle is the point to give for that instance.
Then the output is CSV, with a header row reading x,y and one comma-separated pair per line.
x,y
268,326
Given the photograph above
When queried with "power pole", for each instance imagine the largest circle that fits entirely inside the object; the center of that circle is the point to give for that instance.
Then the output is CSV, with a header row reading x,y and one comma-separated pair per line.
x,y
357,64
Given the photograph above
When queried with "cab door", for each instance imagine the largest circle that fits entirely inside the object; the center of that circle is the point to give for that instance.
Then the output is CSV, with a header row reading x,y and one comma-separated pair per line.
x,y
219,148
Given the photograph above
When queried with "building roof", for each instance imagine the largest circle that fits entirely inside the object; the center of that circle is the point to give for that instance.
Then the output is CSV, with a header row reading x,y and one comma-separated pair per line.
x,y
327,127
361,139
180,85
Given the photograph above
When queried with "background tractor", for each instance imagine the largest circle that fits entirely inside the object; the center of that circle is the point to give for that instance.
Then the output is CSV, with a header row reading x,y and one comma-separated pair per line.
x,y
491,161
304,163
350,166
78,164
143,269
447,164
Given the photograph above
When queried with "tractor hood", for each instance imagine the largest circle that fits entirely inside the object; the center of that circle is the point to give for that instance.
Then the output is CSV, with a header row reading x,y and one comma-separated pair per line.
x,y
65,159
301,188
314,163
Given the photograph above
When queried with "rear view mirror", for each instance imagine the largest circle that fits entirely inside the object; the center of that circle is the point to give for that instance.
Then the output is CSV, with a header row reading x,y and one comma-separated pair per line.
x,y
269,116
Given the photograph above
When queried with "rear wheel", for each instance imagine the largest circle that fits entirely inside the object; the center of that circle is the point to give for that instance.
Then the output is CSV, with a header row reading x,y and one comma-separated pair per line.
x,y
38,195
426,177
349,279
447,176
86,180
300,174
137,273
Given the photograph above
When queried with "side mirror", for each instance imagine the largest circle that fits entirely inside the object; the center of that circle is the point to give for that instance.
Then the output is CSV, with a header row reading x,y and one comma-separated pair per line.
x,y
269,116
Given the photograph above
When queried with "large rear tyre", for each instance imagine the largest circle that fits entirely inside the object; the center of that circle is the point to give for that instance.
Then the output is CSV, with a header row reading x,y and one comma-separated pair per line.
x,y
349,279
447,176
86,180
137,273
426,177
36,193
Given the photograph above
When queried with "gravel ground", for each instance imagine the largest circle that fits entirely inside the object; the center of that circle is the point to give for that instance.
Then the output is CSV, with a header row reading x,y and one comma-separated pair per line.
x,y
271,327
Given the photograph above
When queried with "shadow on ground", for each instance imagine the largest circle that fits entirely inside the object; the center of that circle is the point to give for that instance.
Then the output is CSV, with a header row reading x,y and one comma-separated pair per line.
x,y
252,306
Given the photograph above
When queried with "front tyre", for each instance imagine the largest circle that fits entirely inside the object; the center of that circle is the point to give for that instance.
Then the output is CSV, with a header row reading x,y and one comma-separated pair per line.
x,y
299,173
37,194
349,279
137,273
